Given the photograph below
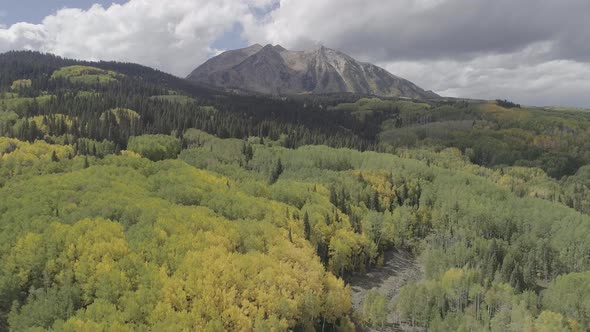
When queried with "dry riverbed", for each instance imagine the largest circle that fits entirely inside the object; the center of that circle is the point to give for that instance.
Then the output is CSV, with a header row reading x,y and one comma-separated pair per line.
x,y
399,269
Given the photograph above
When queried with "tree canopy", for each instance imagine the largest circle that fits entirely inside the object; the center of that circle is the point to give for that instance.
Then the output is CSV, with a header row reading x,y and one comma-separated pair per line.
x,y
132,200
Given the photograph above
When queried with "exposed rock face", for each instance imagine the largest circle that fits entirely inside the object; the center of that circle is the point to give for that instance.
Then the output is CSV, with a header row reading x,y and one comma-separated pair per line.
x,y
275,70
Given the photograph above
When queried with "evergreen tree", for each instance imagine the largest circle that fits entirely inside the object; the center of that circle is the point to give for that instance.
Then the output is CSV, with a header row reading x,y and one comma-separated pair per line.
x,y
276,172
306,226
375,205
247,152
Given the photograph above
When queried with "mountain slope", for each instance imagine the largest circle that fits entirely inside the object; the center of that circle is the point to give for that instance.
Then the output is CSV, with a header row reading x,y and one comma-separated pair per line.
x,y
275,70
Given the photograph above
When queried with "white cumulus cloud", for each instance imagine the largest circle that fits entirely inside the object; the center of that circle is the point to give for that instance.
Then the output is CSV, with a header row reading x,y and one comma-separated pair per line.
x,y
530,51
172,35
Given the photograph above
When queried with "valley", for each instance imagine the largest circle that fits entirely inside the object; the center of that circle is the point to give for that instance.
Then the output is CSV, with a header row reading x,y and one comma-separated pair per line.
x,y
134,200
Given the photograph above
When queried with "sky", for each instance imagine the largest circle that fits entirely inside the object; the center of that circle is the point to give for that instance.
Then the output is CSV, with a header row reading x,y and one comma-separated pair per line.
x,y
534,52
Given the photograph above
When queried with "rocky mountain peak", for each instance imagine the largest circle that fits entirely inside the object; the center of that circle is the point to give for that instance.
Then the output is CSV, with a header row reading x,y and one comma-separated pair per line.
x,y
275,70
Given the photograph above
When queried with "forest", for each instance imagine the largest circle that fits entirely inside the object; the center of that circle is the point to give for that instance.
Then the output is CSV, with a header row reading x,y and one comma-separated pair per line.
x,y
132,200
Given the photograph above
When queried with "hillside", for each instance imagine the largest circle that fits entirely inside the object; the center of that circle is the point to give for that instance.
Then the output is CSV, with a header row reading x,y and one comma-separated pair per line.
x,y
133,200
219,238
275,70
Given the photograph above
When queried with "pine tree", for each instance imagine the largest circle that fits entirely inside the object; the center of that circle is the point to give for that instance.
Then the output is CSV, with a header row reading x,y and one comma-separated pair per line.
x,y
276,172
306,226
247,152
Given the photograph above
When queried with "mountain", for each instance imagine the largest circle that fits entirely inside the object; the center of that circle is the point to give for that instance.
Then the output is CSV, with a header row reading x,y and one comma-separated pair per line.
x,y
275,70
132,199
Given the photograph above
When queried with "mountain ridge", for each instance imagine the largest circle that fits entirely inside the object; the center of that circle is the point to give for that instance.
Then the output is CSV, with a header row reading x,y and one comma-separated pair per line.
x,y
272,69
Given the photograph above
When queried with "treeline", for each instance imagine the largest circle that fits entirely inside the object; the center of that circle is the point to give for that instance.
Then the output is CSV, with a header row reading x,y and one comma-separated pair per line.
x,y
232,116
494,134
507,104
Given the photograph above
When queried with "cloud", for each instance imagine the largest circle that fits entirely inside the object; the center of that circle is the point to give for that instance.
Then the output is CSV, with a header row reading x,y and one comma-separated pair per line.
x,y
173,35
22,36
555,82
532,51
430,29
